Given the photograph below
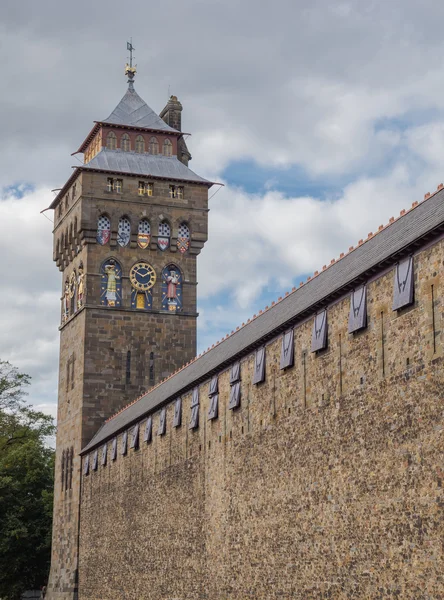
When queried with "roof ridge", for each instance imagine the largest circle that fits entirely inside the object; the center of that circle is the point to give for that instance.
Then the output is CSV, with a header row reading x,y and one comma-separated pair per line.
x,y
351,249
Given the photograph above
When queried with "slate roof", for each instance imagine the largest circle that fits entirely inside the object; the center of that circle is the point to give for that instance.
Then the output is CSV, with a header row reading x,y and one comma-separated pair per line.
x,y
135,112
135,163
399,238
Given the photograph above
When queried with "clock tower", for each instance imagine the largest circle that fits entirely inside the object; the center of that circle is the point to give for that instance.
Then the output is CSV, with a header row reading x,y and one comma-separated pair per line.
x,y
129,224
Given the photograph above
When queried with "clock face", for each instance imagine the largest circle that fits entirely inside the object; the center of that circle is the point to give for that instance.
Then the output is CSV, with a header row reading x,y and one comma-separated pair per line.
x,y
142,276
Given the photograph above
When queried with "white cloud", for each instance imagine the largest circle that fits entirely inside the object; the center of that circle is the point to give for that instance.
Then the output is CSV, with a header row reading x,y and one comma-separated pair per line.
x,y
303,85
29,302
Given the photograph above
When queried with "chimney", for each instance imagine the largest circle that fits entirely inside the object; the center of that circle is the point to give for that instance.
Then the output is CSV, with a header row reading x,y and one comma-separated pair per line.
x,y
171,114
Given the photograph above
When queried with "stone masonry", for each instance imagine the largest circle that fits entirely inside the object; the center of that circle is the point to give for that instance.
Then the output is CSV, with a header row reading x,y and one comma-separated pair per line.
x,y
327,482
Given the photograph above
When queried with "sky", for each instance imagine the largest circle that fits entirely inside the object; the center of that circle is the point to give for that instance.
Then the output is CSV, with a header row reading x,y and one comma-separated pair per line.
x,y
323,118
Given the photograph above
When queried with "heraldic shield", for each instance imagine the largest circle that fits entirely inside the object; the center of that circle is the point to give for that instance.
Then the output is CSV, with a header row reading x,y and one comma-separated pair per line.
x,y
103,236
183,244
163,242
143,240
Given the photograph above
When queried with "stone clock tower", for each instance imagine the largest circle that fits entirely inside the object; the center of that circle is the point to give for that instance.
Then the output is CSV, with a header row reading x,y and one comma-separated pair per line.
x,y
129,225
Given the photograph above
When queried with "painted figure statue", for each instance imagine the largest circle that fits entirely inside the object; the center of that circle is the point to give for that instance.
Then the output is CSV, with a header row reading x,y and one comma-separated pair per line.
x,y
111,287
173,281
80,287
66,299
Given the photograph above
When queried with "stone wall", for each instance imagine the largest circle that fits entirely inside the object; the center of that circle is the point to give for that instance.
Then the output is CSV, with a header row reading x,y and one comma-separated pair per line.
x,y
325,483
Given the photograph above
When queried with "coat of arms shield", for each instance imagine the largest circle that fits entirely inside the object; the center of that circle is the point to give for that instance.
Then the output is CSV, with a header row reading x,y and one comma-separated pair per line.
x,y
103,236
143,240
183,244
163,242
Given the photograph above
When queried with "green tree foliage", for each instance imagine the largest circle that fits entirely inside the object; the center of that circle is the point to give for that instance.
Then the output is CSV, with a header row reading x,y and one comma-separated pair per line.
x,y
26,488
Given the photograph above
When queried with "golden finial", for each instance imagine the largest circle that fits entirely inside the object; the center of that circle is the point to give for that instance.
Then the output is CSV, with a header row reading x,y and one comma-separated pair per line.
x,y
130,71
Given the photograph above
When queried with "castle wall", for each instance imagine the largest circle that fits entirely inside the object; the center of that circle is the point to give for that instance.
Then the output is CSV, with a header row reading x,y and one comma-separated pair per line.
x,y
325,483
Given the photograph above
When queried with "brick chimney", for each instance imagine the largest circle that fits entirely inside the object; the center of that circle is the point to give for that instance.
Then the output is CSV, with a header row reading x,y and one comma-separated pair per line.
x,y
172,115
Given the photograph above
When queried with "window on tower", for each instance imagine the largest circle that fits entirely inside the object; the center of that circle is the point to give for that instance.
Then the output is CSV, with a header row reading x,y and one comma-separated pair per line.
x,y
145,188
183,238
111,141
163,237
167,148
143,234
125,143
124,231
114,185
154,146
103,230
176,191
140,144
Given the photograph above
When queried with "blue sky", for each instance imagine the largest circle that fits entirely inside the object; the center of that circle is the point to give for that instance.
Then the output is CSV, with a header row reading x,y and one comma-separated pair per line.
x,y
322,120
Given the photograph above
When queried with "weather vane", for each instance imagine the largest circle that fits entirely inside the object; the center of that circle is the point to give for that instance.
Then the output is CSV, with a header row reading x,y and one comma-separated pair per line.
x,y
130,71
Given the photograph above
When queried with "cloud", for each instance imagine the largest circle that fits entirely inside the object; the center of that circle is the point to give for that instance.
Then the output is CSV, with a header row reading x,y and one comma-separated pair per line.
x,y
346,97
29,301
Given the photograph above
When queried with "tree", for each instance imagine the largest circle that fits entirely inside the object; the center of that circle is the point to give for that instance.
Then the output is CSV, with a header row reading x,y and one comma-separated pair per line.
x,y
26,488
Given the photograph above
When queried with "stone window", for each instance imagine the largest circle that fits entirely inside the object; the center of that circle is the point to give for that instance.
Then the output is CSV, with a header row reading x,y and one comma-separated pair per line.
x,y
63,469
167,148
145,188
140,144
111,141
128,367
184,231
103,230
176,191
73,191
125,143
164,229
151,368
144,226
124,231
118,185
110,184
154,146
183,238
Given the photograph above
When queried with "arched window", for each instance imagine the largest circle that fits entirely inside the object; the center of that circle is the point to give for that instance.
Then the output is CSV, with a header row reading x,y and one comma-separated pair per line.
x,y
164,234
167,148
111,141
171,288
140,143
125,143
103,230
143,235
183,238
154,145
124,231
111,285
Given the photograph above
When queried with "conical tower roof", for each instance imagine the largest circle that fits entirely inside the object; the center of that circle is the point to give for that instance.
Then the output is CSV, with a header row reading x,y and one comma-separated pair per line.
x,y
132,111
